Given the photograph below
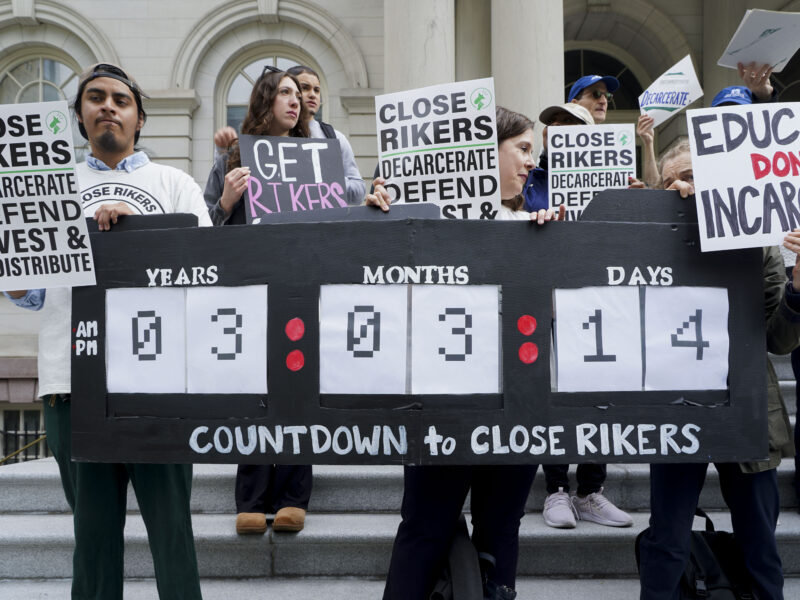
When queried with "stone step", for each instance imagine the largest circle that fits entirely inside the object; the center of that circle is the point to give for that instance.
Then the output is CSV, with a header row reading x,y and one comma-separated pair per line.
x,y
336,545
34,487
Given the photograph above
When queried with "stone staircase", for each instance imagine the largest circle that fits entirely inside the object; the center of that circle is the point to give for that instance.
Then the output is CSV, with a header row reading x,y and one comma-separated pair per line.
x,y
343,553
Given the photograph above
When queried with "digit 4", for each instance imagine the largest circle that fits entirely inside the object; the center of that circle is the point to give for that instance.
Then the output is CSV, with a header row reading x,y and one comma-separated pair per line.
x,y
698,341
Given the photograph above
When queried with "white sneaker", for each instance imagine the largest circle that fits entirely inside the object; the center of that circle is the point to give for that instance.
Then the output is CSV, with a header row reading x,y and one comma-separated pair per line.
x,y
599,509
558,510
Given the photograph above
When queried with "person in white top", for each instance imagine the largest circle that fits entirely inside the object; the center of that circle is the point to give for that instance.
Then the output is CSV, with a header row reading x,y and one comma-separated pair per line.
x,y
110,115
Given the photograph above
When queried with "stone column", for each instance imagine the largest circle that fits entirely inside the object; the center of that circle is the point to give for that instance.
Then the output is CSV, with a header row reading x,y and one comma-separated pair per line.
x,y
528,54
720,20
473,39
419,43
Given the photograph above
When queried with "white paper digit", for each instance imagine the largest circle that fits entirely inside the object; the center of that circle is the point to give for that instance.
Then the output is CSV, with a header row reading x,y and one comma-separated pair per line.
x,y
226,343
455,339
686,338
598,339
362,339
145,340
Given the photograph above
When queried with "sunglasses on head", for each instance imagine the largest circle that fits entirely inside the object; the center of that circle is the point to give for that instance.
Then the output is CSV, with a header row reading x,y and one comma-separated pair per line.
x,y
597,94
270,69
114,72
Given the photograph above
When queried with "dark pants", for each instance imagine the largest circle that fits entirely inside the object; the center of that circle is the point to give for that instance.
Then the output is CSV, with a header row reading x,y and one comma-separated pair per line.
x,y
674,491
796,371
97,493
433,498
591,478
269,488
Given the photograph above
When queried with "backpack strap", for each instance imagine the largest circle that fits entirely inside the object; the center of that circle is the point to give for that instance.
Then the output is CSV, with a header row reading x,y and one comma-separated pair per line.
x,y
328,130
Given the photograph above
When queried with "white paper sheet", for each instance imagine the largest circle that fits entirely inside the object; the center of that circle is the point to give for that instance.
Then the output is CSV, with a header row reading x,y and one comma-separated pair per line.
x,y
455,339
226,340
671,92
598,339
363,333
686,332
766,37
145,340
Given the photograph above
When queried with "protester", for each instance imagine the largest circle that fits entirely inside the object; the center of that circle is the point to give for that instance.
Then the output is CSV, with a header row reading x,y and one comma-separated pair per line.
x,y
275,109
110,115
594,92
312,102
433,496
750,489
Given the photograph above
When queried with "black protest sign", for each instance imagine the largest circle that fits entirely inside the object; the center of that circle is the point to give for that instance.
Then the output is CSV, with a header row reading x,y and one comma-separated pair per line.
x,y
289,174
439,144
587,159
435,350
43,236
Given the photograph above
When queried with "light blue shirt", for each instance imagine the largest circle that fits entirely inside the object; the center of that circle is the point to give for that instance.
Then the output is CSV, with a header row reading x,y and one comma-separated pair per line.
x,y
128,164
33,300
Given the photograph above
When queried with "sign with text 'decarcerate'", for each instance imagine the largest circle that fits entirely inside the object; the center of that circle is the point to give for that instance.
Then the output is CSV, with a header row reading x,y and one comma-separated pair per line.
x,y
43,237
439,144
291,174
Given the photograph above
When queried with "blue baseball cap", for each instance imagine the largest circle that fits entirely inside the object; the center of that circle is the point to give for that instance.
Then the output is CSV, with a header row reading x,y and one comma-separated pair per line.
x,y
735,94
612,83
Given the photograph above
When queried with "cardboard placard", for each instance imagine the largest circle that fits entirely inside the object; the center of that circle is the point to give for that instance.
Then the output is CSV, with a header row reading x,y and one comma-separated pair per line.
x,y
766,37
439,144
586,159
436,350
746,173
671,92
289,174
43,237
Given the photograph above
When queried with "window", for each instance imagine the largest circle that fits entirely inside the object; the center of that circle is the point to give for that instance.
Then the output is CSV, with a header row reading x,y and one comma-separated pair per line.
x,y
578,63
41,80
18,428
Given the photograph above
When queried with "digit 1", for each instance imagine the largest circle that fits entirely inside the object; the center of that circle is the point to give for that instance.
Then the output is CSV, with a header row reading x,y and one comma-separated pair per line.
x,y
598,356
698,342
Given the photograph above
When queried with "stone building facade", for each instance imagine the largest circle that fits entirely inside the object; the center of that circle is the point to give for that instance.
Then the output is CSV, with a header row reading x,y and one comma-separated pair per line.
x,y
197,60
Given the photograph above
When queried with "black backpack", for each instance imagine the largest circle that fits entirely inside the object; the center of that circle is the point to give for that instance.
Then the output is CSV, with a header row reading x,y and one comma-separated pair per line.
x,y
716,569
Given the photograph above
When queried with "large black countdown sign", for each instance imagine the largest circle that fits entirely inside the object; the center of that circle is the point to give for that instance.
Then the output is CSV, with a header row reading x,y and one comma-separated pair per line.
x,y
399,340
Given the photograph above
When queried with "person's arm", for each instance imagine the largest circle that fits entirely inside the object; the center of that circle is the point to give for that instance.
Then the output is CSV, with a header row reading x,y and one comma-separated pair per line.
x,y
220,194
756,78
30,299
781,299
353,179
644,128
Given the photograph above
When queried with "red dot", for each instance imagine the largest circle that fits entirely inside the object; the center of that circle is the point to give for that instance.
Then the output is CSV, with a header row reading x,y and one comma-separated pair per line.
x,y
528,352
526,325
295,360
295,329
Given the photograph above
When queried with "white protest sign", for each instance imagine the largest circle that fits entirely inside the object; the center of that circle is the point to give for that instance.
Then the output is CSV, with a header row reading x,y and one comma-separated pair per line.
x,y
764,37
439,144
587,159
672,92
43,237
746,173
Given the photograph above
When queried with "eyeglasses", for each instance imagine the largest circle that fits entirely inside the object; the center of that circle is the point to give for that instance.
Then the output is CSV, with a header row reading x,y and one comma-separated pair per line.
x,y
597,94
270,69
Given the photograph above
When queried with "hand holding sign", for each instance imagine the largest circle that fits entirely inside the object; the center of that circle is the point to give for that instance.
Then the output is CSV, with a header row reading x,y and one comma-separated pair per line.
x,y
756,78
235,185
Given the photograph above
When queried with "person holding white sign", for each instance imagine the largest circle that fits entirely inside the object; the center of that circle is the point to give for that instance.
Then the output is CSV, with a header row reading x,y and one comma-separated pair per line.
x,y
750,489
275,109
115,180
433,496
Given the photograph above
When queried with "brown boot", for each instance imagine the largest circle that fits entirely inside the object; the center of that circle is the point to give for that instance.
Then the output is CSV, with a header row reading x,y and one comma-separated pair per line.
x,y
289,518
251,523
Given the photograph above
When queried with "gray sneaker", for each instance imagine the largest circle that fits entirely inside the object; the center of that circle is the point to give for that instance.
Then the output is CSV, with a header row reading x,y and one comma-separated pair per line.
x,y
599,509
558,510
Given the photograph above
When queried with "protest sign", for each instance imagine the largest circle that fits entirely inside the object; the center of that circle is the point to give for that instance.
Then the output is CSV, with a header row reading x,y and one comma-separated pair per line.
x,y
439,144
765,37
746,173
672,92
43,236
289,174
586,159
436,350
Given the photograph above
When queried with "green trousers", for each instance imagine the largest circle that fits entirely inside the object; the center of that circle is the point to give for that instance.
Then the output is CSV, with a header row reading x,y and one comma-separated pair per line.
x,y
97,494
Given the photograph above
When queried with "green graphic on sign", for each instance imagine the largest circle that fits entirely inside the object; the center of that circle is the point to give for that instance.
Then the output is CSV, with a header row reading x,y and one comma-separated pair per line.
x,y
480,98
56,121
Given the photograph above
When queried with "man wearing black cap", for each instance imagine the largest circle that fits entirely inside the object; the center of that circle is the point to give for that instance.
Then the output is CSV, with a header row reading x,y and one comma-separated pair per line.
x,y
115,180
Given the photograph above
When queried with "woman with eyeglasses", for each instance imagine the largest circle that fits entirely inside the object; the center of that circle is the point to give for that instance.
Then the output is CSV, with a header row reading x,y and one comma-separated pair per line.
x,y
275,109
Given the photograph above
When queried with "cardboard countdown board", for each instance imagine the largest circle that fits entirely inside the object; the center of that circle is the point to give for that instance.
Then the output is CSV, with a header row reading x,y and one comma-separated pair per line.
x,y
405,341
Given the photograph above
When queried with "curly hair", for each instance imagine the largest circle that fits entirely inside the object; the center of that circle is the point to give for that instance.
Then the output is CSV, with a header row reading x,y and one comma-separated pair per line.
x,y
258,120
